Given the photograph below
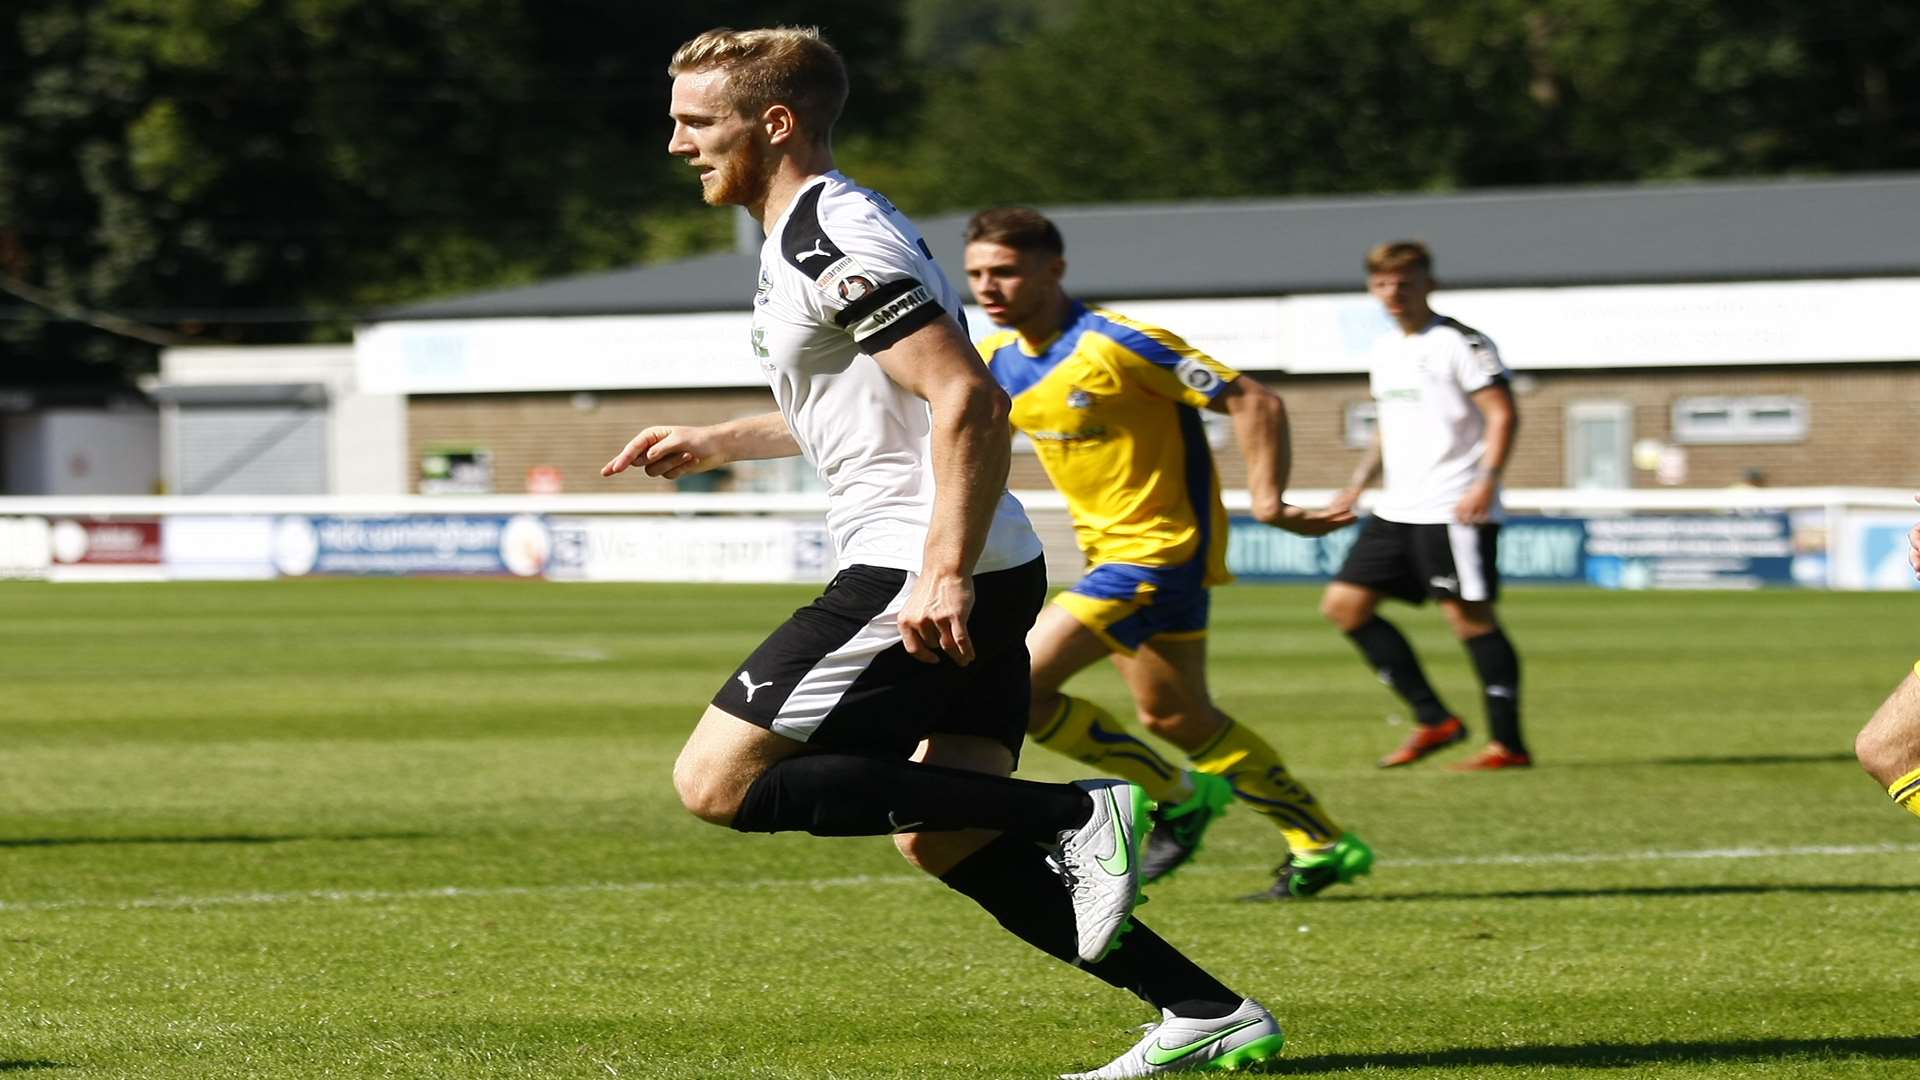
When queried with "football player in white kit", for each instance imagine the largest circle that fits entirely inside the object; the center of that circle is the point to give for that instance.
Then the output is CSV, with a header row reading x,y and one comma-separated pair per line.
x,y
896,703
1444,431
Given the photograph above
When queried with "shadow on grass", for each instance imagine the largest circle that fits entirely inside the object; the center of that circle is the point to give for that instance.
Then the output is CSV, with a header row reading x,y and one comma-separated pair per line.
x,y
22,1066
235,838
1614,1055
1823,758
1848,888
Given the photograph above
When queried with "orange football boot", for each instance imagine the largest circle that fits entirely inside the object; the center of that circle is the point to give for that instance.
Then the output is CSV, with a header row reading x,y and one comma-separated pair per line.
x,y
1495,756
1426,740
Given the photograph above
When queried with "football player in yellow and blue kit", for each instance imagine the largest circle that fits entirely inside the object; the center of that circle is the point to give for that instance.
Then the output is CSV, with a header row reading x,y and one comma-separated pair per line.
x,y
1112,407
1889,746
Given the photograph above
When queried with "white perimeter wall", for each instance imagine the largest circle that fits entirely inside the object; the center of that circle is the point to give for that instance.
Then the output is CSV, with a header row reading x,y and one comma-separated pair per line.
x,y
82,452
1599,327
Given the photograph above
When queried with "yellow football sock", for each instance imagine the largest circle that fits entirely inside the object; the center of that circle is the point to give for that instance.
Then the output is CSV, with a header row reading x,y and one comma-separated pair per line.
x,y
1906,791
1089,734
1261,780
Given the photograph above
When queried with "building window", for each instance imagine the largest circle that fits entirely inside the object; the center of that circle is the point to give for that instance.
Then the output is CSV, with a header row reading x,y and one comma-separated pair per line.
x,y
1599,445
1361,420
1759,419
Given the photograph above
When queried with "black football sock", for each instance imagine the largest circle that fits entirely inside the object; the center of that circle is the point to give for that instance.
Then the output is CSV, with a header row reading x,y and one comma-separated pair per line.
x,y
829,794
1499,668
1391,657
1010,878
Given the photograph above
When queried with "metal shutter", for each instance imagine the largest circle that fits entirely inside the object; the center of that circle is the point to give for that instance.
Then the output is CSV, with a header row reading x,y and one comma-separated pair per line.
x,y
251,450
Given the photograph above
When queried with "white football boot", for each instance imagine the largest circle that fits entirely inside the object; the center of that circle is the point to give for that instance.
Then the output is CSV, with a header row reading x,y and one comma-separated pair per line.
x,y
1100,863
1244,1037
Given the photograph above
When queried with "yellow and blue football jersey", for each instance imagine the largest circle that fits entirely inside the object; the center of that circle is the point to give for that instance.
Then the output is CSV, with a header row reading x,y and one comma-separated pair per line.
x,y
1112,407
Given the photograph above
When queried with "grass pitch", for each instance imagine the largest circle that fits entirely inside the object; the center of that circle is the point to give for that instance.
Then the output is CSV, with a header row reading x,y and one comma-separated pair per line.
x,y
425,829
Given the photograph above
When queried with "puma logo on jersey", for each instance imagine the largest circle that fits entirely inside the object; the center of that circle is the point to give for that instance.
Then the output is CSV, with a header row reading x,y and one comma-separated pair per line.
x,y
746,680
819,248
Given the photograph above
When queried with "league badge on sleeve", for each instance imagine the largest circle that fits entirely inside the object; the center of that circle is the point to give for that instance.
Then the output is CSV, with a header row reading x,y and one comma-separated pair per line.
x,y
853,286
1197,376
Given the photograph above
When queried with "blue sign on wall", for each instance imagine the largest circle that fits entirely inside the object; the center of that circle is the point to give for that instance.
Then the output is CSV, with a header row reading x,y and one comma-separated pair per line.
x,y
1690,551
1624,552
411,544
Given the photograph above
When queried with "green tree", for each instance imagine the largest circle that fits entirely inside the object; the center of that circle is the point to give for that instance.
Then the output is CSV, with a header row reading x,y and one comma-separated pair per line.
x,y
264,170
1143,99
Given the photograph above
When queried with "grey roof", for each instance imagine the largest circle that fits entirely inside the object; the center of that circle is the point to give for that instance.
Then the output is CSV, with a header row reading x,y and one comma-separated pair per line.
x,y
1652,233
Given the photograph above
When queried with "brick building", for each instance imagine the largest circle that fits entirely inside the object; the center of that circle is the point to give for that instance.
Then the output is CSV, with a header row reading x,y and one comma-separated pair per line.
x,y
1690,335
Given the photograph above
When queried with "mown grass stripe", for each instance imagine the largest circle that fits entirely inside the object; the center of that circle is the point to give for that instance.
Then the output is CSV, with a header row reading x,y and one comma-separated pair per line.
x,y
456,892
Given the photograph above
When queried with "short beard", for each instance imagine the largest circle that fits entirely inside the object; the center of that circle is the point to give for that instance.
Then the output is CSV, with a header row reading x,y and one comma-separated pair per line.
x,y
746,186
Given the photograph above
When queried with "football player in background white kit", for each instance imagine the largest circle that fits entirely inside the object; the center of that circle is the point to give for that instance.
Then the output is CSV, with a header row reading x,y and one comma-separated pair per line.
x,y
896,703
1444,429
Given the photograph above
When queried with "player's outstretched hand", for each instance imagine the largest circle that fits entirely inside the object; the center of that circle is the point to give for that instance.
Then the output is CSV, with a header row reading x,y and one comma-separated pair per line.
x,y
668,452
1303,522
1913,547
935,619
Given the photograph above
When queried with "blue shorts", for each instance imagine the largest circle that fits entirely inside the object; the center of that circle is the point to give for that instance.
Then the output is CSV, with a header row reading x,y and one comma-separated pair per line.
x,y
1126,605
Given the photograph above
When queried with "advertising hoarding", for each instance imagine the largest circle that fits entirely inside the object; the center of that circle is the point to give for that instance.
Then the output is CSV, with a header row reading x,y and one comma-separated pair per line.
x,y
689,549
106,550
456,544
26,547
1641,551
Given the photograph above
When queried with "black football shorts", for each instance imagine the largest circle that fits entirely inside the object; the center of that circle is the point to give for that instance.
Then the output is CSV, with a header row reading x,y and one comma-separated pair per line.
x,y
837,676
1414,562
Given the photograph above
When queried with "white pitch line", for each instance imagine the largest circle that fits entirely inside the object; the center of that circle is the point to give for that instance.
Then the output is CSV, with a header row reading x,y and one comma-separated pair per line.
x,y
1552,858
458,892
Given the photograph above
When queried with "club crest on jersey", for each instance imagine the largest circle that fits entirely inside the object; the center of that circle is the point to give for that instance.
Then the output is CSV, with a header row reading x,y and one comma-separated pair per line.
x,y
1079,399
763,293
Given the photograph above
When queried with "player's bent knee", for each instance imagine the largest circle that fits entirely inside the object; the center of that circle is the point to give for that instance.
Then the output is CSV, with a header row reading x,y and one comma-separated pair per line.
x,y
1344,610
703,795
1879,754
1866,749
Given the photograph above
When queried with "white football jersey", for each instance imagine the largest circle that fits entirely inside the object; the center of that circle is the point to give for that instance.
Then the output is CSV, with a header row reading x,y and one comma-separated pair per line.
x,y
843,273
1432,435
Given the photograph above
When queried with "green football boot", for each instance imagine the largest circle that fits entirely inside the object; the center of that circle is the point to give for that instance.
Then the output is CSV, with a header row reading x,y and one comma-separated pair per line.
x,y
1177,829
1302,876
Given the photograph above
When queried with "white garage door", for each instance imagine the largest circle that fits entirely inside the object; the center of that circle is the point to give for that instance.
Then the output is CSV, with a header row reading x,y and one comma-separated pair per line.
x,y
251,450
